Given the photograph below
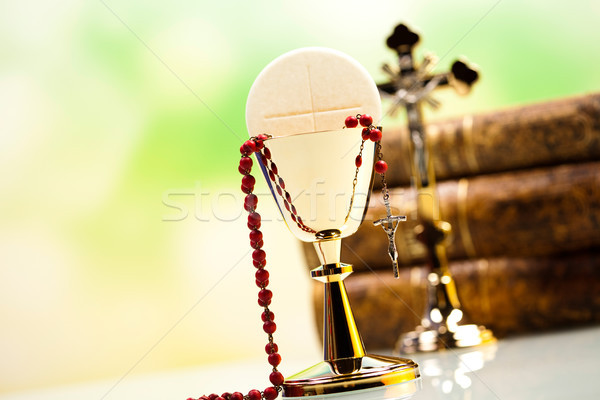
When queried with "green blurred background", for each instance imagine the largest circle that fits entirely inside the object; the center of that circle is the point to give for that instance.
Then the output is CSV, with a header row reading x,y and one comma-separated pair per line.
x,y
112,111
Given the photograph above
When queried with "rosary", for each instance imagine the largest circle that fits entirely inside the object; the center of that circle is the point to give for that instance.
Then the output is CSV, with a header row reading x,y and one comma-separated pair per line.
x,y
389,224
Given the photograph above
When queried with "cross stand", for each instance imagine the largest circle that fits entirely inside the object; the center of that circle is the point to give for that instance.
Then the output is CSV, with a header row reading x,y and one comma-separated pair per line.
x,y
409,86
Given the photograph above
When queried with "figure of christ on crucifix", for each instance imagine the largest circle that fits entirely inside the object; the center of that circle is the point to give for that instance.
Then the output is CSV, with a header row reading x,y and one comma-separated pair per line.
x,y
389,225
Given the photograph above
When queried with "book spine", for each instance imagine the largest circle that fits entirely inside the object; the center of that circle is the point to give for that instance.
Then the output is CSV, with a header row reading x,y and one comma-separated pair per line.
x,y
524,213
508,295
536,135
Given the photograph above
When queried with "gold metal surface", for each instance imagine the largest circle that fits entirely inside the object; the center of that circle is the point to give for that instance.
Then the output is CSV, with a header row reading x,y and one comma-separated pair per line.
x,y
422,340
373,371
331,273
341,339
328,234
346,366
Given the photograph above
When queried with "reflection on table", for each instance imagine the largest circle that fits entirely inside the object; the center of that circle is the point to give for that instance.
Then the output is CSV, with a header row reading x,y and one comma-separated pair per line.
x,y
559,365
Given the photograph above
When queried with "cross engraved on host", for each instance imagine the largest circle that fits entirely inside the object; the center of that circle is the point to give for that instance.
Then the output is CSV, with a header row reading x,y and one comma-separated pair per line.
x,y
389,225
314,109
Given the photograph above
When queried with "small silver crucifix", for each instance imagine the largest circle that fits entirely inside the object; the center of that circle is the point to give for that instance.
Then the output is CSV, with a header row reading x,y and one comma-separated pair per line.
x,y
389,225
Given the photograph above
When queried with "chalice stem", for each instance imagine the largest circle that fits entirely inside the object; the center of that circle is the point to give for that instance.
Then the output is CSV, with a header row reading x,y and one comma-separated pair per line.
x,y
340,334
341,339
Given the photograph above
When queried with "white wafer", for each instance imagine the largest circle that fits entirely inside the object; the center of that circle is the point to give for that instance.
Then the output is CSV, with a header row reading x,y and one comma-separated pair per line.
x,y
310,90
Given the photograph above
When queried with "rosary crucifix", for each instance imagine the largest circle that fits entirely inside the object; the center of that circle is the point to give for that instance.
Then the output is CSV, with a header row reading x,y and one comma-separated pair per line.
x,y
389,225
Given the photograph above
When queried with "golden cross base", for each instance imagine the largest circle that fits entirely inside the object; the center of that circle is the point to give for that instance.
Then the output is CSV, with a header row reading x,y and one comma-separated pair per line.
x,y
426,340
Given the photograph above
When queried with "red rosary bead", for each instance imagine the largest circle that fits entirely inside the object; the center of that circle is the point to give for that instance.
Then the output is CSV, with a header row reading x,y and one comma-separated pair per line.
x,y
262,275
271,348
276,378
259,144
358,161
381,166
271,393
351,122
248,181
248,147
265,295
250,202
254,395
263,303
375,135
251,199
255,235
236,396
254,220
259,255
269,327
246,163
366,120
274,359
267,153
267,316
366,134
259,264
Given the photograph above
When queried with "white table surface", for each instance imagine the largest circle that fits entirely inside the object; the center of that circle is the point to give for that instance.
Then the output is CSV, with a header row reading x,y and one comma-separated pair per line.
x,y
560,365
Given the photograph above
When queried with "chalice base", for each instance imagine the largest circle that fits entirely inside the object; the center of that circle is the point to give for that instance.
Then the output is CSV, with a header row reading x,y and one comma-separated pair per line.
x,y
376,377
426,340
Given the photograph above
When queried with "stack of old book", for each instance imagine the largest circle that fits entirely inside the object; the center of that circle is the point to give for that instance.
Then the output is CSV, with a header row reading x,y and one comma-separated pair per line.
x,y
521,189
